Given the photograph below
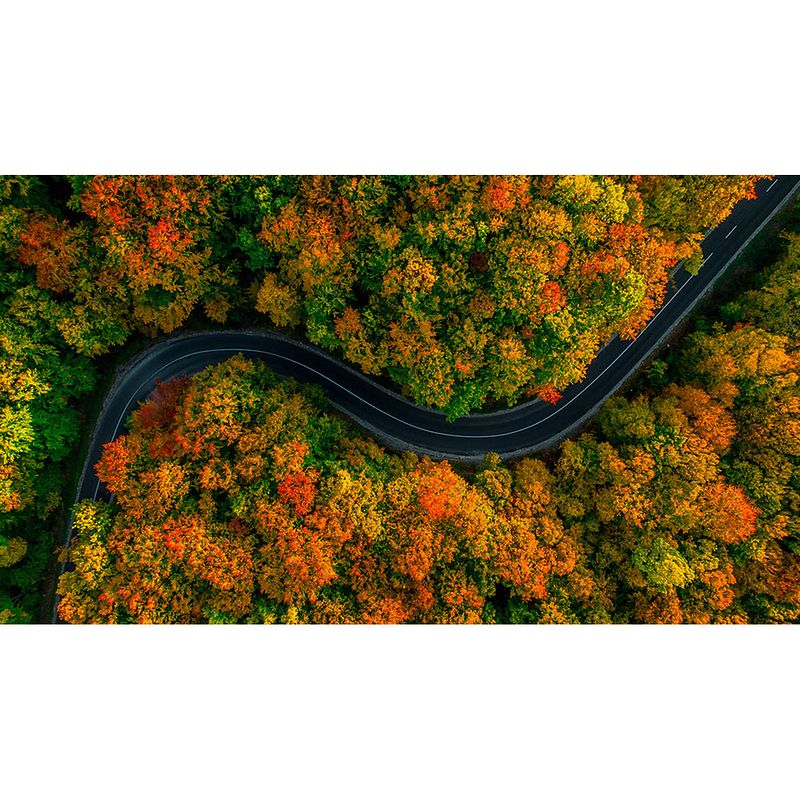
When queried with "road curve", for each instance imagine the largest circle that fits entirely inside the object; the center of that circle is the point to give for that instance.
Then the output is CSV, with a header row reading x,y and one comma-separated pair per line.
x,y
527,428
394,420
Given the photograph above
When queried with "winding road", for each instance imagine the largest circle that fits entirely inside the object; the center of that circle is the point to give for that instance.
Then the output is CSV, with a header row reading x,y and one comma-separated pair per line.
x,y
399,423
392,419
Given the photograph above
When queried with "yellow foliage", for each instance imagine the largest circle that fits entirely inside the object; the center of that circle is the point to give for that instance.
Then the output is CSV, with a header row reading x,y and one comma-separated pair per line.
x,y
12,552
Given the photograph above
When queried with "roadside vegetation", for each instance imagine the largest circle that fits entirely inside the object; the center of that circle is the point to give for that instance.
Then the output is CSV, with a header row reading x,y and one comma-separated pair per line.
x,y
240,498
463,293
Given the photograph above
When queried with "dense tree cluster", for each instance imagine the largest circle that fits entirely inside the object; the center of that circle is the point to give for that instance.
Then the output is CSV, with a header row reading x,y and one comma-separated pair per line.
x,y
461,291
239,498
40,377
138,256
468,290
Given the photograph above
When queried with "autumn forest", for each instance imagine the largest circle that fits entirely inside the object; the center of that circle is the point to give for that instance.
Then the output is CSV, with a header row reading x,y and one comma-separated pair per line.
x,y
238,496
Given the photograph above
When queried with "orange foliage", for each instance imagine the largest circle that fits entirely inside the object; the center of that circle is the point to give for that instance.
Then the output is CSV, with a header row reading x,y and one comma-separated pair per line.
x,y
549,395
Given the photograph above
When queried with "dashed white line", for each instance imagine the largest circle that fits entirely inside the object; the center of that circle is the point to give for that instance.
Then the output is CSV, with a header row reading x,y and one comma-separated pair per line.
x,y
773,183
731,231
706,258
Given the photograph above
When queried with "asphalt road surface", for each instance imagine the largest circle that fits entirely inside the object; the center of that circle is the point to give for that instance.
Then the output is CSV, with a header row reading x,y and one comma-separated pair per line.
x,y
394,420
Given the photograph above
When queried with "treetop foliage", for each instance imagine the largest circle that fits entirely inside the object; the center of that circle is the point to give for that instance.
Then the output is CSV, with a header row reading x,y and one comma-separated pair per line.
x,y
462,290
239,498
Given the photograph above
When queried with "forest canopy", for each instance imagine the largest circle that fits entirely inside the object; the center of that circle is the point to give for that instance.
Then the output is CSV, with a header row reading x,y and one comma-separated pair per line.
x,y
461,292
239,497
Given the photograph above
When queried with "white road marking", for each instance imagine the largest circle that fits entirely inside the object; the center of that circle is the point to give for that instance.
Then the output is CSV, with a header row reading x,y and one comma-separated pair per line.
x,y
706,258
773,183
731,231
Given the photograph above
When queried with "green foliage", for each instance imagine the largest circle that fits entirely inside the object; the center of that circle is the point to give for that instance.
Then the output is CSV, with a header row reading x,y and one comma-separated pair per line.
x,y
40,381
662,565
